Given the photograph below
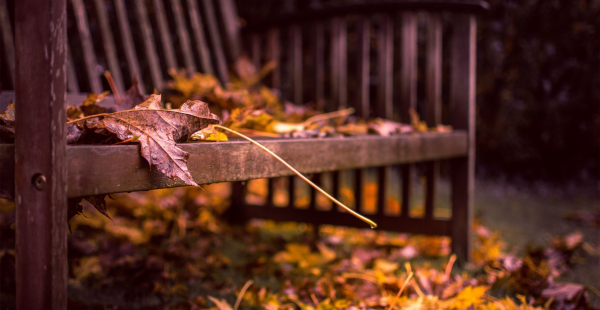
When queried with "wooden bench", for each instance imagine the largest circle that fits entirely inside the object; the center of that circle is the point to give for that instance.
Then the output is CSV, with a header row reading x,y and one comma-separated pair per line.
x,y
312,47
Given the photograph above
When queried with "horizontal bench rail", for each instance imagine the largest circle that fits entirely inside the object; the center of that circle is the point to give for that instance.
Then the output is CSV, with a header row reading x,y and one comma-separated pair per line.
x,y
328,11
103,169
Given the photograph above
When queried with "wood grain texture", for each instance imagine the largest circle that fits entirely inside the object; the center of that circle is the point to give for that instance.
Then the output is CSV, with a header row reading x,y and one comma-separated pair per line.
x,y
127,41
149,44
92,169
108,43
40,148
89,55
462,108
7,40
200,37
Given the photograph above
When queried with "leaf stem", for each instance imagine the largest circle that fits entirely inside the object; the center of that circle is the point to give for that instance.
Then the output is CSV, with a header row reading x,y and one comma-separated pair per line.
x,y
364,219
324,116
131,110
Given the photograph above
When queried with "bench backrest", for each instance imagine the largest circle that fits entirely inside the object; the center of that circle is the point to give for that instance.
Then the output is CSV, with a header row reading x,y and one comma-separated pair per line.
x,y
140,37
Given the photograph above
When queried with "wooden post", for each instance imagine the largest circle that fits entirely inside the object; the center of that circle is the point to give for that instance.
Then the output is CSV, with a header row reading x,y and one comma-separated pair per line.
x,y
40,154
462,106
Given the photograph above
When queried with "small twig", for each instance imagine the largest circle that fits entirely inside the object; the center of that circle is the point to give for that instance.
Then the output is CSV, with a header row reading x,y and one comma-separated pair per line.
x,y
449,266
400,291
364,219
325,116
242,292
113,86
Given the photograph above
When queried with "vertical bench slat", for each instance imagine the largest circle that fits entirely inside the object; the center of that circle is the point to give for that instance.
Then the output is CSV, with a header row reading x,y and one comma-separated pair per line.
x,y
319,69
319,88
343,65
232,30
273,54
384,107
89,56
199,36
149,45
40,149
215,37
184,36
295,39
362,98
109,45
462,111
364,48
338,63
255,50
433,95
7,41
385,38
72,83
127,40
164,34
408,94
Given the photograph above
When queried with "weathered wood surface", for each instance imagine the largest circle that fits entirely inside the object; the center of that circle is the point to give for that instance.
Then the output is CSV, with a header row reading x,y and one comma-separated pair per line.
x,y
335,217
111,168
40,154
462,106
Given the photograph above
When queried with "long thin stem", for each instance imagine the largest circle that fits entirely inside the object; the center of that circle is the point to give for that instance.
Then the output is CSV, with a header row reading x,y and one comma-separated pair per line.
x,y
364,219
324,116
242,292
131,110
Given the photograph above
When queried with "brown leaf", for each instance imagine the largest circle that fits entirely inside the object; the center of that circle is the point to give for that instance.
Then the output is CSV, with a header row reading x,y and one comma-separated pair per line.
x,y
73,208
90,104
133,96
98,202
158,132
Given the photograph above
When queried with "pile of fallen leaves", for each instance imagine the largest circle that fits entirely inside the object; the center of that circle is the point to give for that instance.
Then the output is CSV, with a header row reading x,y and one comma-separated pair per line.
x,y
169,249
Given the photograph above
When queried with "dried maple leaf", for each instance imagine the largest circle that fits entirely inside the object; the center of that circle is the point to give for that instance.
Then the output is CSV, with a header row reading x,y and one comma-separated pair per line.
x,y
158,131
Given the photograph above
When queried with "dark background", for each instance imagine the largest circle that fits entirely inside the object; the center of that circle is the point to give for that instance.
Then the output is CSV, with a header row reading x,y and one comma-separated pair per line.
x,y
538,87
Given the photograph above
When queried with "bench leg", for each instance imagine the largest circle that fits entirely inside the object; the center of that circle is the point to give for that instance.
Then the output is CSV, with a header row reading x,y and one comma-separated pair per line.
x,y
462,106
40,154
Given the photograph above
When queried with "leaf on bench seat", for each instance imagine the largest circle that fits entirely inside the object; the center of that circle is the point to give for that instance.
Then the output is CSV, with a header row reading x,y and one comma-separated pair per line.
x,y
156,129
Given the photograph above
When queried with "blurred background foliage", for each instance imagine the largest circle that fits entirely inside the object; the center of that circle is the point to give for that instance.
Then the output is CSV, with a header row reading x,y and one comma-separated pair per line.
x,y
538,86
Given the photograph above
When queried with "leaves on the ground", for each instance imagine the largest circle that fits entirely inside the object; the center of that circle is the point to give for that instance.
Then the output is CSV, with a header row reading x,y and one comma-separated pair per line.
x,y
7,124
